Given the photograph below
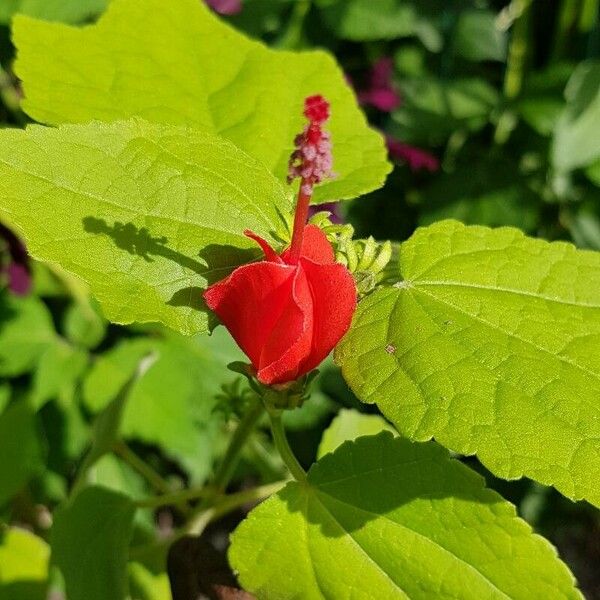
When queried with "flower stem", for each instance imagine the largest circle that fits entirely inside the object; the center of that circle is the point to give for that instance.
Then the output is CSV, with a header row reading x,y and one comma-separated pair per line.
x,y
283,446
144,469
225,505
299,222
517,53
244,429
205,512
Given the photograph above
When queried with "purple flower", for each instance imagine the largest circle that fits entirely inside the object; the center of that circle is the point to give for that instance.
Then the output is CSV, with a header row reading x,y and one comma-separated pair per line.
x,y
415,157
16,268
225,7
380,92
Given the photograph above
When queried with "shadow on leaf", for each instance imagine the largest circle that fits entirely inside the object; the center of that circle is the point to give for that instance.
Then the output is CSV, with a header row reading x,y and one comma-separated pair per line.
x,y
215,261
373,477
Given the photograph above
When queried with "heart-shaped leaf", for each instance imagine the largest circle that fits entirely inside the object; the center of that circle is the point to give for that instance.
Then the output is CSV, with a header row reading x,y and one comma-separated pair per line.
x,y
383,517
177,63
147,215
491,344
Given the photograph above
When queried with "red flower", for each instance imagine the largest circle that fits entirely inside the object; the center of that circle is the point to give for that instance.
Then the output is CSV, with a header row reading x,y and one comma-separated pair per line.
x,y
287,317
287,312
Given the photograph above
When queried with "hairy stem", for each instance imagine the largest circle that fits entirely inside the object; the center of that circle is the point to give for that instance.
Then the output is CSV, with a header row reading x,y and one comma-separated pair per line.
x,y
283,447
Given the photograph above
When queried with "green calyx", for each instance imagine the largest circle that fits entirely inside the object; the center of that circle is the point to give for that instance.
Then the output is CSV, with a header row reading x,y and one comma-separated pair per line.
x,y
366,259
285,396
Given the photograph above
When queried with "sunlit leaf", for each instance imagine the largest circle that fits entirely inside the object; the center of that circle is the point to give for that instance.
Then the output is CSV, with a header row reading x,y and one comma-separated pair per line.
x,y
383,517
177,63
490,343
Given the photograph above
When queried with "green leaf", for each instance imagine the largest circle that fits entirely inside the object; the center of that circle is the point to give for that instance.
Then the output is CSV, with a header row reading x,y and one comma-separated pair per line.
x,y
67,11
109,422
84,325
26,332
361,20
23,565
111,371
541,113
146,585
5,394
143,59
57,373
593,173
146,214
495,193
348,425
173,404
311,414
491,344
575,141
20,449
477,37
369,524
89,541
433,109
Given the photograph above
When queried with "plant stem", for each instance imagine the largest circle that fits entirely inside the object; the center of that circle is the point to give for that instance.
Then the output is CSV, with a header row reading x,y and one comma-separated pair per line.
x,y
300,217
205,512
291,37
144,469
174,497
226,505
566,23
588,18
283,446
230,460
517,53
229,503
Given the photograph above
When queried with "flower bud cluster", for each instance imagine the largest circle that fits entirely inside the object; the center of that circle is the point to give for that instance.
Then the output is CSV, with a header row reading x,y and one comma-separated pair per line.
x,y
367,260
312,160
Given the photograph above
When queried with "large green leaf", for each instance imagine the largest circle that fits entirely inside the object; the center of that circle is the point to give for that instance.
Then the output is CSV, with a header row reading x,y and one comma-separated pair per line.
x,y
57,373
175,62
20,449
576,142
361,20
68,11
432,109
146,214
26,332
477,36
348,425
23,565
490,344
89,544
173,405
370,525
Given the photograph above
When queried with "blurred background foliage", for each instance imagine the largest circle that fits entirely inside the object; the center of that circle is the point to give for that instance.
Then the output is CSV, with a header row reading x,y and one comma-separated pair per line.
x,y
491,111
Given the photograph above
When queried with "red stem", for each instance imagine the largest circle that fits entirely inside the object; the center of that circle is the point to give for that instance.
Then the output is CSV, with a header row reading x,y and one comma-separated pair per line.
x,y
299,222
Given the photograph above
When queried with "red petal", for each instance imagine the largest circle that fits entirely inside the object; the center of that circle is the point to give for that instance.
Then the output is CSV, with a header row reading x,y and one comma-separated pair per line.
x,y
270,254
334,302
250,301
315,247
290,341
